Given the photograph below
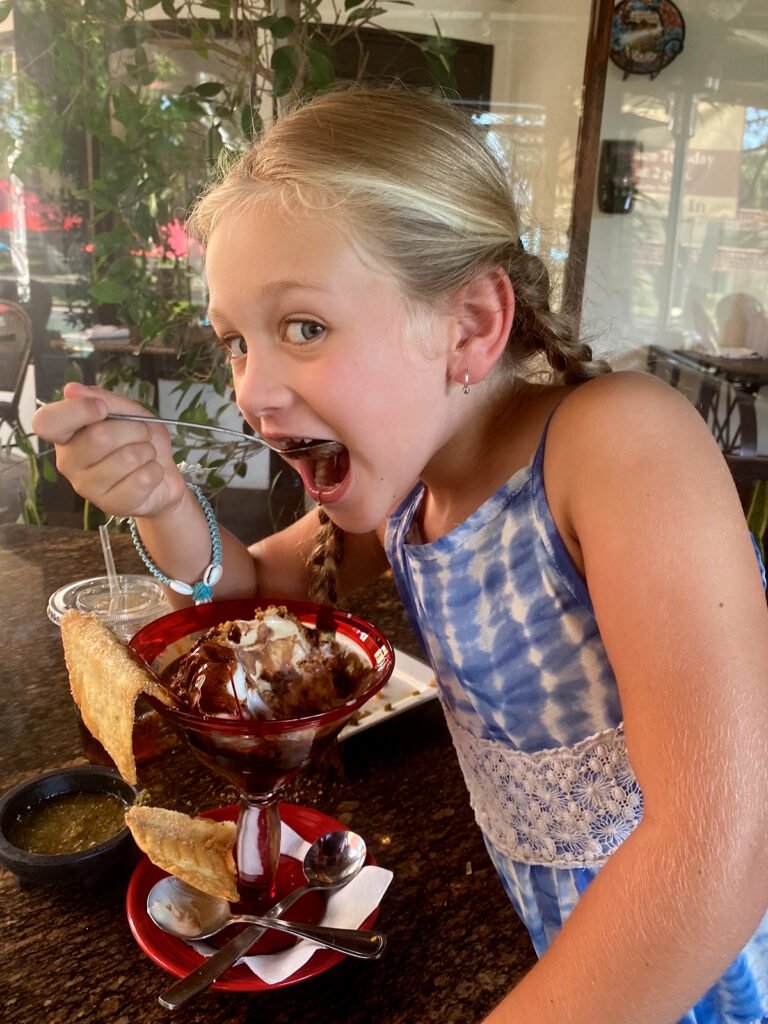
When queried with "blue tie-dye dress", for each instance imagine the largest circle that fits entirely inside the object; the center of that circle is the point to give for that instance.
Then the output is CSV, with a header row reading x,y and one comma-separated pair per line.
x,y
533,707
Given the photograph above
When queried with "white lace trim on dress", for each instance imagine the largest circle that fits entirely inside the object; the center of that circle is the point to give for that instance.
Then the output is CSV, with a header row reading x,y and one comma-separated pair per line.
x,y
562,807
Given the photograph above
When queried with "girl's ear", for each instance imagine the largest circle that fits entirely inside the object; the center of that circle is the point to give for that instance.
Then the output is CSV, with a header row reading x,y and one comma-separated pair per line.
x,y
483,310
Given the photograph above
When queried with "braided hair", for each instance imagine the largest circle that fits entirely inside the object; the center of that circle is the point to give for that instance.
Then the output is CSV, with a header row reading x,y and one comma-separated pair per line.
x,y
536,328
325,559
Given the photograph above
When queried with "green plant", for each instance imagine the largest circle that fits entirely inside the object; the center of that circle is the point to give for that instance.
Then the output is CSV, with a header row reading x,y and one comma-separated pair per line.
x,y
38,468
119,108
757,516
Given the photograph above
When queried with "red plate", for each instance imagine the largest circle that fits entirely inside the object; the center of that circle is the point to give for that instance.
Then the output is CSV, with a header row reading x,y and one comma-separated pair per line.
x,y
179,959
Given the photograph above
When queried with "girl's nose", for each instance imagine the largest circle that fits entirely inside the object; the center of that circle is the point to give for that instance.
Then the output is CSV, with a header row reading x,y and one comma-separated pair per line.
x,y
260,390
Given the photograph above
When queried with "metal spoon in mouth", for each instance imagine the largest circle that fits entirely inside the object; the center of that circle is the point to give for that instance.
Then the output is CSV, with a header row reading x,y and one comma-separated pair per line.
x,y
189,914
292,448
331,861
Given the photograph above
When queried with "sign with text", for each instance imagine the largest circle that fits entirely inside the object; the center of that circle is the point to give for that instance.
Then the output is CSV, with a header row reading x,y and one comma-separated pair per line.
x,y
711,184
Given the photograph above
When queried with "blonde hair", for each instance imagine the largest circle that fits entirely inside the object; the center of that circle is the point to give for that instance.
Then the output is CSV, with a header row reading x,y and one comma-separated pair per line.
x,y
419,188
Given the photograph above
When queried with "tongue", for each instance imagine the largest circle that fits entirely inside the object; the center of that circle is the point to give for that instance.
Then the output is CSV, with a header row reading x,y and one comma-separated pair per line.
x,y
329,472
322,476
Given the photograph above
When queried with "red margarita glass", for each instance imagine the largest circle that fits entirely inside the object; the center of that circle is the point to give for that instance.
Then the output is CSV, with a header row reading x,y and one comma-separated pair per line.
x,y
260,756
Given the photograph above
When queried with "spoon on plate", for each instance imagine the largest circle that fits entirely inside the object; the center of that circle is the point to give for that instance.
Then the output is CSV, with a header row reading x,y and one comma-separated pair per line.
x,y
331,862
186,913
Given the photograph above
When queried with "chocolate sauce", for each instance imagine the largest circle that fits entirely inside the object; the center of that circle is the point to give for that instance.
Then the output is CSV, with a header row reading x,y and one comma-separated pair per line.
x,y
213,677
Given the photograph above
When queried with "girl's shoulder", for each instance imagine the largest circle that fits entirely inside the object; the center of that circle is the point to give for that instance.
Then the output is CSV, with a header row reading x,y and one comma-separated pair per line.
x,y
620,386
621,440
623,411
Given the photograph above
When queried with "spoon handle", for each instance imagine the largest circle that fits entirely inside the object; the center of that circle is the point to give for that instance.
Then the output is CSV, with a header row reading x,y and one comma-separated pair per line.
x,y
212,428
317,449
205,975
352,941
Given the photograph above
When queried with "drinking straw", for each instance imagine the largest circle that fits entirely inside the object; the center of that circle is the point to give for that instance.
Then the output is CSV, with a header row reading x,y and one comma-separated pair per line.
x,y
109,562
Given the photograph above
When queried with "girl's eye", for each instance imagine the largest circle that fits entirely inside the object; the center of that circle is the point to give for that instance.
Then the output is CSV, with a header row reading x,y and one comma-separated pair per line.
x,y
299,332
234,346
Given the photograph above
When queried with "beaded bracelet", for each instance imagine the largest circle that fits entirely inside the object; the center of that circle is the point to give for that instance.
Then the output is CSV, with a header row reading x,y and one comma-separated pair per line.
x,y
202,591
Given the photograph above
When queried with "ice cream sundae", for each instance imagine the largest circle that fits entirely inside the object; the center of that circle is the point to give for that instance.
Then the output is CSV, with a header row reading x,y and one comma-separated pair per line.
x,y
268,667
256,698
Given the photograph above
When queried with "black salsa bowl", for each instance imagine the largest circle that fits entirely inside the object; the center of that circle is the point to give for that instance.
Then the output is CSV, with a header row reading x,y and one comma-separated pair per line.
x,y
83,867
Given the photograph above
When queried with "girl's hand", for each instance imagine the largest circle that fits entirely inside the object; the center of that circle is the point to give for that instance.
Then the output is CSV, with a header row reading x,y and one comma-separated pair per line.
x,y
122,467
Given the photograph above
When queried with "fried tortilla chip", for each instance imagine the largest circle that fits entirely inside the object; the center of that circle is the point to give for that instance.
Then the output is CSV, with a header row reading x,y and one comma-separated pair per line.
x,y
106,677
196,850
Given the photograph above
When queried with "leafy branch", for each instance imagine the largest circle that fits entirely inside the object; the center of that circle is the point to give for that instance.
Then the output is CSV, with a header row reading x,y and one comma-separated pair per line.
x,y
98,113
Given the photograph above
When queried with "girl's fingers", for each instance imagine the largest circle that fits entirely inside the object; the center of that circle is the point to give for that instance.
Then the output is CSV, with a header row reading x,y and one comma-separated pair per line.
x,y
75,390
146,491
93,443
95,466
129,481
60,421
122,466
114,403
100,456
130,490
81,406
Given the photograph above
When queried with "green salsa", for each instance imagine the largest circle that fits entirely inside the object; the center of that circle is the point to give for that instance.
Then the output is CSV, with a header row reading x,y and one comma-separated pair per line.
x,y
68,823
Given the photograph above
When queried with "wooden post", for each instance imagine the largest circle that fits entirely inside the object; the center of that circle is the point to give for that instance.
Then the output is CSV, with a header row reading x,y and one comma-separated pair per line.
x,y
587,153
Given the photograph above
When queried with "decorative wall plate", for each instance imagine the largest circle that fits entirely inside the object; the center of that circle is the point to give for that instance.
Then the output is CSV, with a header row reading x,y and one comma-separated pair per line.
x,y
646,36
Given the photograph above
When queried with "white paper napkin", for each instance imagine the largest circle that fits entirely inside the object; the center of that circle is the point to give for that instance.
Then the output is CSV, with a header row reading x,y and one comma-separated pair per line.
x,y
346,908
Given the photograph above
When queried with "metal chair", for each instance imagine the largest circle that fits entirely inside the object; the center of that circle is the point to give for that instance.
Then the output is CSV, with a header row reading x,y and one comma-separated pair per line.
x,y
15,352
746,469
729,410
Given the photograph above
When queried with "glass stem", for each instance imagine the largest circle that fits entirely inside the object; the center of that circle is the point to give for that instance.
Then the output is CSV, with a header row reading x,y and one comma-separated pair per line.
x,y
257,847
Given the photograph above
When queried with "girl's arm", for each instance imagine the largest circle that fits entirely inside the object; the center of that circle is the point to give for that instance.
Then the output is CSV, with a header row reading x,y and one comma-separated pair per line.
x,y
649,509
127,469
278,566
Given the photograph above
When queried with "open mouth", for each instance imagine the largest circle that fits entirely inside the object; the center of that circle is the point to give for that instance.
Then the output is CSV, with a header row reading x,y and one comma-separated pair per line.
x,y
323,466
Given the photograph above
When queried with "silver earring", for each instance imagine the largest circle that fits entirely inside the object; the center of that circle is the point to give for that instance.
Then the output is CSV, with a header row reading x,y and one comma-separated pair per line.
x,y
466,381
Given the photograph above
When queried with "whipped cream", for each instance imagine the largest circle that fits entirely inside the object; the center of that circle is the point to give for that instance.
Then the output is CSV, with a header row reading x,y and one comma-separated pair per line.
x,y
272,666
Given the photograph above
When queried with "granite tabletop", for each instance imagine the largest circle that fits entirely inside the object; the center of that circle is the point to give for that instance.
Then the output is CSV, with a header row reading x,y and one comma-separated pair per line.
x,y
455,945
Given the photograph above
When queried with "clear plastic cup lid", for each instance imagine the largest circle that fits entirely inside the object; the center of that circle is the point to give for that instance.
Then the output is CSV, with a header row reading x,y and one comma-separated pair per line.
x,y
140,600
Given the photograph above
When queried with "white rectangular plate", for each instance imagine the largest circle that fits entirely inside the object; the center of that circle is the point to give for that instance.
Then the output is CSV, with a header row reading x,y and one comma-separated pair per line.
x,y
411,683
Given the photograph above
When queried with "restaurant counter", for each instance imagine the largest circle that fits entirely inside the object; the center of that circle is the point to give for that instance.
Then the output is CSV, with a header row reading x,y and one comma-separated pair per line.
x,y
455,945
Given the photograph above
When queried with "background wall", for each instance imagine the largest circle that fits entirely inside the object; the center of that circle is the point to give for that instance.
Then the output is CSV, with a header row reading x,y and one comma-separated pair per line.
x,y
538,66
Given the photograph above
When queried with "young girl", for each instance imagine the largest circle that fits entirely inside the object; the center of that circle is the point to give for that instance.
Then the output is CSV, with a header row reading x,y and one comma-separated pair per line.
x,y
568,542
